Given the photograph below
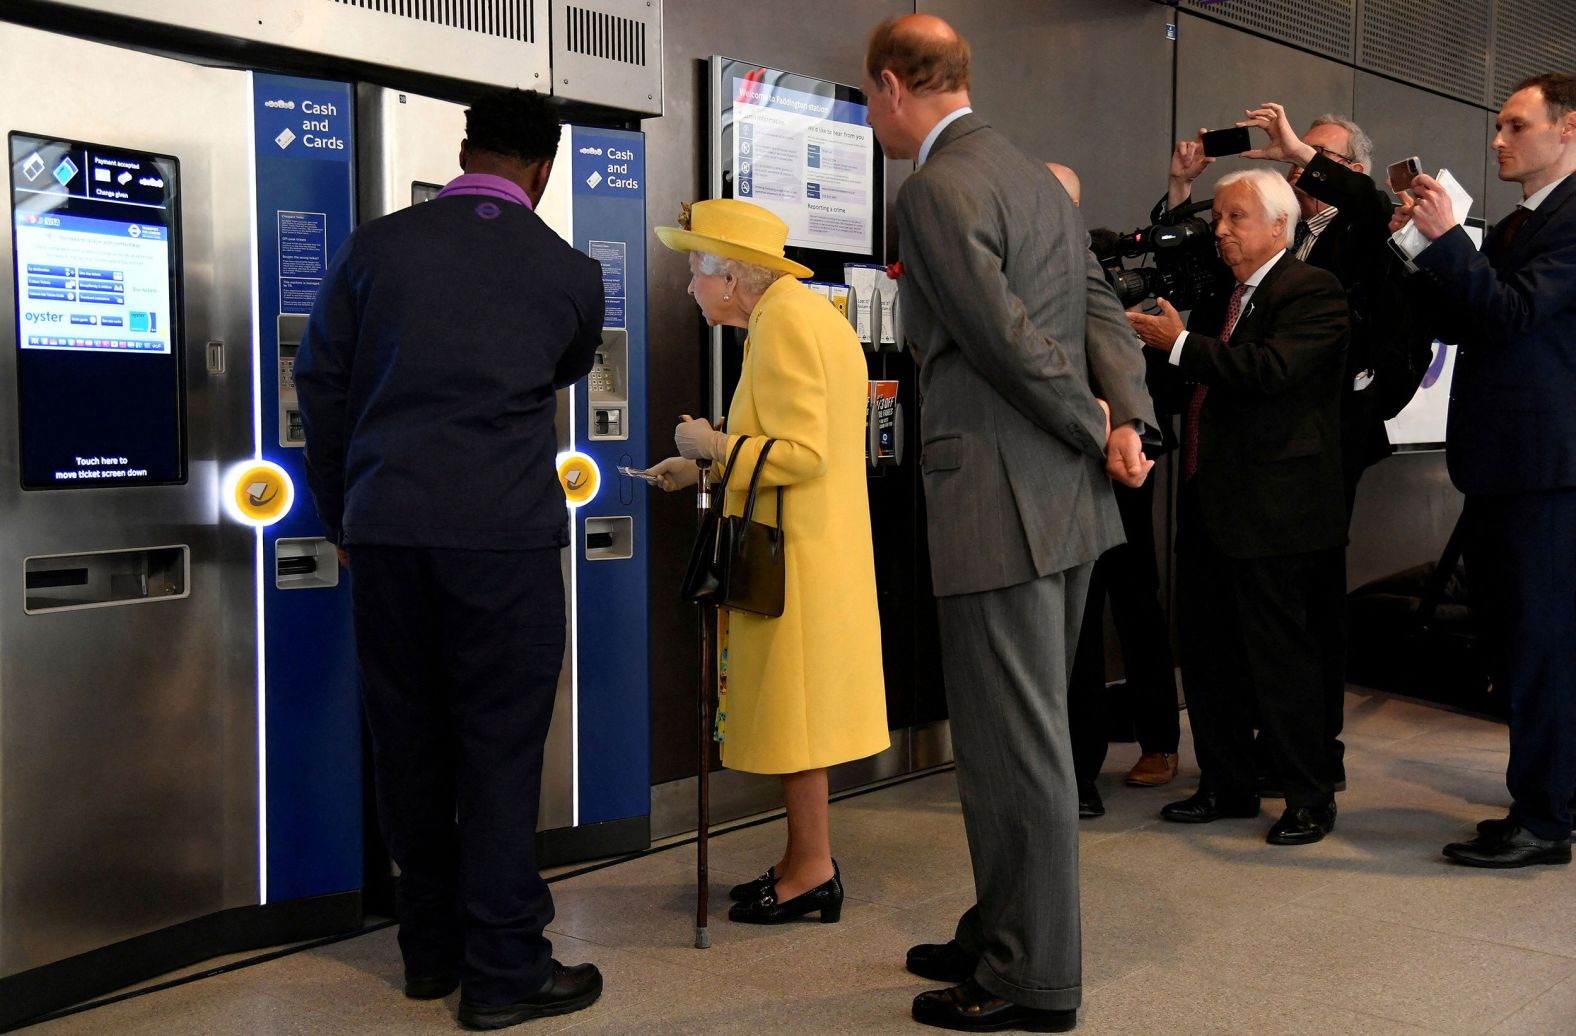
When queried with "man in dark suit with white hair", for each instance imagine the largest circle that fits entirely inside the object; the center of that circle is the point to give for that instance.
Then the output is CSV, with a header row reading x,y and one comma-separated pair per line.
x,y
1262,511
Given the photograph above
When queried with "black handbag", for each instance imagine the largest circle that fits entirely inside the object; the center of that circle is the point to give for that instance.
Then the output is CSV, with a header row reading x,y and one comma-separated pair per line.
x,y
737,562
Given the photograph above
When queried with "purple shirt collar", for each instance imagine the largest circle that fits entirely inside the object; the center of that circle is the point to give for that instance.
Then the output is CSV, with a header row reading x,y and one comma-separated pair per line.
x,y
488,184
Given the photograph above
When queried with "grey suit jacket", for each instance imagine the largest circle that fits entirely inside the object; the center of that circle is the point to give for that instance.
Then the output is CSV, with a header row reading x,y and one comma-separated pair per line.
x,y
1009,316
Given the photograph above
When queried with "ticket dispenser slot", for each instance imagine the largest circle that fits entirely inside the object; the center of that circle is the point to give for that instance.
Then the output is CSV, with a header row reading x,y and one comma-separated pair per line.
x,y
610,539
304,563
608,389
292,326
104,578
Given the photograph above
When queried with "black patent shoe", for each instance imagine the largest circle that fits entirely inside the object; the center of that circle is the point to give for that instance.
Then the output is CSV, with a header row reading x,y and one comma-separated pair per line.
x,y
748,891
1506,847
826,899
970,1007
1207,806
430,987
942,961
1090,805
568,989
1302,825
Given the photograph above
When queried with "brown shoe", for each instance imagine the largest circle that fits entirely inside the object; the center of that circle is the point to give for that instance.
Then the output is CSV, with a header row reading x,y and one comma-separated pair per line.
x,y
1152,770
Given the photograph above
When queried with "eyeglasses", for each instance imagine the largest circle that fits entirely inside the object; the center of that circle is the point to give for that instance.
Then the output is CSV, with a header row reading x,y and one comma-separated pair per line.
x,y
1333,154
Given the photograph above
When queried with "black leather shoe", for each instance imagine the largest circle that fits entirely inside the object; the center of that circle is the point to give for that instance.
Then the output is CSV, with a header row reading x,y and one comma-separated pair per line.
x,y
1302,825
1207,806
942,962
746,891
1510,846
827,898
1089,802
430,987
970,1007
567,990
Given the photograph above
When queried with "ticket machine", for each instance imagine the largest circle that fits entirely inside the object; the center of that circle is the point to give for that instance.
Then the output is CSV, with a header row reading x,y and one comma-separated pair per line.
x,y
597,775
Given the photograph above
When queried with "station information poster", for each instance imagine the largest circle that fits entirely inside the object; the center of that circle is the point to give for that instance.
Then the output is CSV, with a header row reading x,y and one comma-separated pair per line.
x,y
800,147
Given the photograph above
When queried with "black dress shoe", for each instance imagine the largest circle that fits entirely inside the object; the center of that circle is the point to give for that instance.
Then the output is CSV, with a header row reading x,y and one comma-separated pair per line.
x,y
567,990
1207,806
1089,802
430,987
942,962
1496,827
745,891
970,1007
1509,846
1302,825
827,898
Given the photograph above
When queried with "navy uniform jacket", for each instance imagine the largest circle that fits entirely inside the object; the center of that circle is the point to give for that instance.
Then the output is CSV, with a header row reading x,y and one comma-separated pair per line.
x,y
1512,426
428,375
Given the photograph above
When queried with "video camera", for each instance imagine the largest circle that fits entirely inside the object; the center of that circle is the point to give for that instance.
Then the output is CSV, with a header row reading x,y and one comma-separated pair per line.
x,y
1187,269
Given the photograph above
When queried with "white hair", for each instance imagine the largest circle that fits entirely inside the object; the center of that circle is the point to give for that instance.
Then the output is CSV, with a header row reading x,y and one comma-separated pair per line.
x,y
753,279
1275,194
1361,145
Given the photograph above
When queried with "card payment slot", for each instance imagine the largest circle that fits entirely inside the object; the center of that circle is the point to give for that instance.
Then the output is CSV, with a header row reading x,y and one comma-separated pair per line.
x,y
608,389
292,326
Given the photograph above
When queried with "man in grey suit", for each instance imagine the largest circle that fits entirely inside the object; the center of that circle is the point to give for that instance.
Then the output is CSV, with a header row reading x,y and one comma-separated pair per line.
x,y
1009,317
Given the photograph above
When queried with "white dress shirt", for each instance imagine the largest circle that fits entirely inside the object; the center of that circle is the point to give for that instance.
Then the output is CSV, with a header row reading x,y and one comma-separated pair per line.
x,y
935,131
1251,283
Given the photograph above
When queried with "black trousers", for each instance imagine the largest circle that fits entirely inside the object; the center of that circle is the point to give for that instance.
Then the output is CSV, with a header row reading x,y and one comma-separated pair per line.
x,y
1130,575
1257,638
1521,567
460,653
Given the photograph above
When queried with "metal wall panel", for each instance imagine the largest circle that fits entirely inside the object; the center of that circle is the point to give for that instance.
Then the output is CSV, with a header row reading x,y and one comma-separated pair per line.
x,y
1446,51
609,52
494,42
1530,37
1322,26
128,735
1403,120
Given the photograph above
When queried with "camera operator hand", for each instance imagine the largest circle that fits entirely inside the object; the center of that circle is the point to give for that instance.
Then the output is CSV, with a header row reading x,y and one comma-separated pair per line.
x,y
1188,163
1433,212
1158,331
1284,144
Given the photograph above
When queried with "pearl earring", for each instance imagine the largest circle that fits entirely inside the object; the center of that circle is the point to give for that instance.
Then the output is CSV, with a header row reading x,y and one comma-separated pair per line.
x,y
726,296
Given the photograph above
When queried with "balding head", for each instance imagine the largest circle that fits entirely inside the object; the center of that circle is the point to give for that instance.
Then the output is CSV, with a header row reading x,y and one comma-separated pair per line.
x,y
1069,180
925,54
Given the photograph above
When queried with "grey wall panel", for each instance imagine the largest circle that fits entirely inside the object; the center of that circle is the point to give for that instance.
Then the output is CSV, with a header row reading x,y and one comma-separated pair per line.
x,y
1531,37
1082,82
822,38
1445,51
1403,120
1323,26
1221,72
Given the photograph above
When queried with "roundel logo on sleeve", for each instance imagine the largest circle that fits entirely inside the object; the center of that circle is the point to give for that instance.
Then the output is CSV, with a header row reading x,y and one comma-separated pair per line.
x,y
579,476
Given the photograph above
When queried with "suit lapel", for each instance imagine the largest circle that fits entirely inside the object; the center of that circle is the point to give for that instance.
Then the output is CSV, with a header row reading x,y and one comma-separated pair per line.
x,y
1258,303
1552,206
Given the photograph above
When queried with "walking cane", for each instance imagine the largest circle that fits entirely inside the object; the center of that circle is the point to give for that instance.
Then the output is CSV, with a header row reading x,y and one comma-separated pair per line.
x,y
707,615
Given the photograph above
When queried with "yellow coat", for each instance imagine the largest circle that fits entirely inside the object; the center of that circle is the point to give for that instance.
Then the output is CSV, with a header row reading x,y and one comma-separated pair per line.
x,y
805,690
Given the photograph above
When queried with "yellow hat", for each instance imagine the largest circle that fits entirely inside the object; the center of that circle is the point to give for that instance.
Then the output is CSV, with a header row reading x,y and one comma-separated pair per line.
x,y
734,230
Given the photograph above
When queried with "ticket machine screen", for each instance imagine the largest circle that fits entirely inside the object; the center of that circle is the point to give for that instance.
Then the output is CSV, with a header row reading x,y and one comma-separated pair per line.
x,y
96,254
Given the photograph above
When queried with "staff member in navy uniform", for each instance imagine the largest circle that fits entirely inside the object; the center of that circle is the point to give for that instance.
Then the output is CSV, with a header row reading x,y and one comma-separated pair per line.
x,y
427,380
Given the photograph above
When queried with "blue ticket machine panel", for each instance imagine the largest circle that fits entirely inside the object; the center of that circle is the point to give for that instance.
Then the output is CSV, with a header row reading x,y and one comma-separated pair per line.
x,y
303,148
100,388
608,196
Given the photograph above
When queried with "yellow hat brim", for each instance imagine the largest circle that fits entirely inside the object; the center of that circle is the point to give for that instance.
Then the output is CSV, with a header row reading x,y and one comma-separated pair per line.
x,y
681,240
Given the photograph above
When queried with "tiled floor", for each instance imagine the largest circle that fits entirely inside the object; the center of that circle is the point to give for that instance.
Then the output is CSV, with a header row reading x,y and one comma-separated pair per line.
x,y
1187,929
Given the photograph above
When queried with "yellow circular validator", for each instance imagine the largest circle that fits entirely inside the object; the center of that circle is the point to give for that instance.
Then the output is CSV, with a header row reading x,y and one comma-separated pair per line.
x,y
579,476
258,492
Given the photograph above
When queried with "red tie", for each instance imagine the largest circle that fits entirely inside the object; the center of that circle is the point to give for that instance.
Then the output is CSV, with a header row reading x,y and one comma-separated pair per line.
x,y
1195,403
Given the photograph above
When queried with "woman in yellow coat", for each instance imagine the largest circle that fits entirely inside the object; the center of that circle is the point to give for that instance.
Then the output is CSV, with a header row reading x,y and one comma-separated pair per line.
x,y
803,691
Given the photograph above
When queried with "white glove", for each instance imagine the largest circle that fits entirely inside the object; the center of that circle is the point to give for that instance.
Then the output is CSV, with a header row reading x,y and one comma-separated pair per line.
x,y
676,473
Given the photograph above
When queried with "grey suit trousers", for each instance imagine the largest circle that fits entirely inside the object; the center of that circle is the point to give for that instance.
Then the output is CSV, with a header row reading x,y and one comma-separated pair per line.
x,y
1007,655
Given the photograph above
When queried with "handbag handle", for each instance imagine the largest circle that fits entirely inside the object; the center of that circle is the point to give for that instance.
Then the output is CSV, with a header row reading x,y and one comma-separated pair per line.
x,y
727,473
755,484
